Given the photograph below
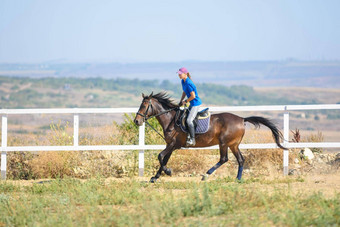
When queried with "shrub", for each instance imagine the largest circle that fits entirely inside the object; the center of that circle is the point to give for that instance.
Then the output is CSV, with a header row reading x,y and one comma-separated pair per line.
x,y
189,162
59,135
18,165
127,131
316,138
55,164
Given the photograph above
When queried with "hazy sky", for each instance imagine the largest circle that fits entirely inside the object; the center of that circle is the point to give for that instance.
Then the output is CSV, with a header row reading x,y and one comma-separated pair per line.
x,y
168,30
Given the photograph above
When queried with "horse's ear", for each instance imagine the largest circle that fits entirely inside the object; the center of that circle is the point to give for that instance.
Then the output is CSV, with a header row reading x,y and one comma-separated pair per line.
x,y
143,95
151,94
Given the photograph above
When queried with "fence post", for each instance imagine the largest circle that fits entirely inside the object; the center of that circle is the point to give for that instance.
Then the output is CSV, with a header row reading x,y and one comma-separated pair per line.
x,y
285,142
76,130
4,145
141,152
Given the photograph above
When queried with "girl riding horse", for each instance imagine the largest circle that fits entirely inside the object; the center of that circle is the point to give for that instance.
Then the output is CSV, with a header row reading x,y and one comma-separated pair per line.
x,y
189,90
225,129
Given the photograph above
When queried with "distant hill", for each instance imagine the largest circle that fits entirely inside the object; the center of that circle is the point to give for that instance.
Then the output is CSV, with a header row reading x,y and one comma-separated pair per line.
x,y
25,92
290,73
71,92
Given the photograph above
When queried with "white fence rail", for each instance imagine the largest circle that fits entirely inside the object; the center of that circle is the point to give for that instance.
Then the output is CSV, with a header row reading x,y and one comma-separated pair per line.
x,y
141,146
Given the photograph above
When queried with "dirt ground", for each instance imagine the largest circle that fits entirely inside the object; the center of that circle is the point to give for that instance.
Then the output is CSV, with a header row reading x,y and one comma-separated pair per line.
x,y
326,183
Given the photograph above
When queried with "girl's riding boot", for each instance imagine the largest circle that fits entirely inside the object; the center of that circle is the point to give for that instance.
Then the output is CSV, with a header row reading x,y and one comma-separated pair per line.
x,y
191,141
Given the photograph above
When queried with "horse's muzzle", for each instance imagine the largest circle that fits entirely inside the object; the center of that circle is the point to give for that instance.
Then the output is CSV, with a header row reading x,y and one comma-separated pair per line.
x,y
138,122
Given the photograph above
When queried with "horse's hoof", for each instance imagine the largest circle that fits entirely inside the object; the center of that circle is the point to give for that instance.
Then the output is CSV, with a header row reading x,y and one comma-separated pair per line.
x,y
153,180
168,172
205,177
239,180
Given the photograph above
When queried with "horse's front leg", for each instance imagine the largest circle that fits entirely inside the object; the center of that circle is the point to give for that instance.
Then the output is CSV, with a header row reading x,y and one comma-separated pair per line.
x,y
166,170
163,158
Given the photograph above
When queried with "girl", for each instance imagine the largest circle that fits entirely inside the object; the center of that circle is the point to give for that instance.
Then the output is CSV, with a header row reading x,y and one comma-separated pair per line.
x,y
189,90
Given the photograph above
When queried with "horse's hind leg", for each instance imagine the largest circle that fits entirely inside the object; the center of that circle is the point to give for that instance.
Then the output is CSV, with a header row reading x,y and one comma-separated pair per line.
x,y
240,159
223,159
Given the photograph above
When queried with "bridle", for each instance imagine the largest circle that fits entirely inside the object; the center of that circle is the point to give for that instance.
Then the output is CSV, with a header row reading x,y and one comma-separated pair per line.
x,y
146,118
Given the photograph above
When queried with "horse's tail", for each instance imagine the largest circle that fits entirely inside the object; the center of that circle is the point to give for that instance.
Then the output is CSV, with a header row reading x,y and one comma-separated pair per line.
x,y
277,135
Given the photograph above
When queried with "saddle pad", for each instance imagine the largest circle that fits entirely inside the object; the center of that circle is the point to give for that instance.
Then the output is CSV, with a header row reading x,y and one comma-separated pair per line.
x,y
202,126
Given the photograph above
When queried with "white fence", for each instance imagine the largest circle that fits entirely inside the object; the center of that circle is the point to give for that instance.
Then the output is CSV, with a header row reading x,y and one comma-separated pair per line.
x,y
141,146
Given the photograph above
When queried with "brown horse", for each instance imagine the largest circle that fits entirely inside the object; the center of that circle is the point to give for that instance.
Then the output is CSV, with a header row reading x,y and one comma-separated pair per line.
x,y
226,130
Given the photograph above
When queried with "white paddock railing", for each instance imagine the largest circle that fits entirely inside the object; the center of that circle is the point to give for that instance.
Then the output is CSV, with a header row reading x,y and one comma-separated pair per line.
x,y
141,146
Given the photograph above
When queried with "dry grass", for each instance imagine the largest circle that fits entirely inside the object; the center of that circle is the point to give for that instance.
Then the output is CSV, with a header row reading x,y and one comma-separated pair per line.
x,y
190,162
18,165
316,138
54,164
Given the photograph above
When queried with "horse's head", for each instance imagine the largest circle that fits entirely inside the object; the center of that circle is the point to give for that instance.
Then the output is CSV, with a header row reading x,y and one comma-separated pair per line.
x,y
145,110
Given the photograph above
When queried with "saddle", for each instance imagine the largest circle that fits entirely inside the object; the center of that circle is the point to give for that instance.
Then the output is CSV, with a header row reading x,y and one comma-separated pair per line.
x,y
201,121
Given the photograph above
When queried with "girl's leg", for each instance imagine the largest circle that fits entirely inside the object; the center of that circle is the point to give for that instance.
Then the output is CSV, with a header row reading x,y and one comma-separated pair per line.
x,y
191,127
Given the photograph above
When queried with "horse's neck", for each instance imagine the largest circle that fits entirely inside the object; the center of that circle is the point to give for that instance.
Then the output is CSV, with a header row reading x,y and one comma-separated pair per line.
x,y
166,119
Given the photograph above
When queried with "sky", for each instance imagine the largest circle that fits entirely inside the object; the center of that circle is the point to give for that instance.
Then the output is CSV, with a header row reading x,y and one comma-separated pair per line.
x,y
133,31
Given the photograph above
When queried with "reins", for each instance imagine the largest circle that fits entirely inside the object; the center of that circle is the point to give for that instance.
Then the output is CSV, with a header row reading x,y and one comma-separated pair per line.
x,y
161,113
147,118
164,112
155,130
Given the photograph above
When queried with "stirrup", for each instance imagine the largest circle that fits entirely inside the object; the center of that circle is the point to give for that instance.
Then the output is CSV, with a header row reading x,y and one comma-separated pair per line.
x,y
191,142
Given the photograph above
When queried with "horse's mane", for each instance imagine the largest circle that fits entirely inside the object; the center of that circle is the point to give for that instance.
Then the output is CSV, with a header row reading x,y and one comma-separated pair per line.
x,y
165,100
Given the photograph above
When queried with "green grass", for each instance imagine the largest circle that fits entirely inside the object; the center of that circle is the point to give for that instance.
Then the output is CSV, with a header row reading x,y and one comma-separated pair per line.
x,y
221,202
